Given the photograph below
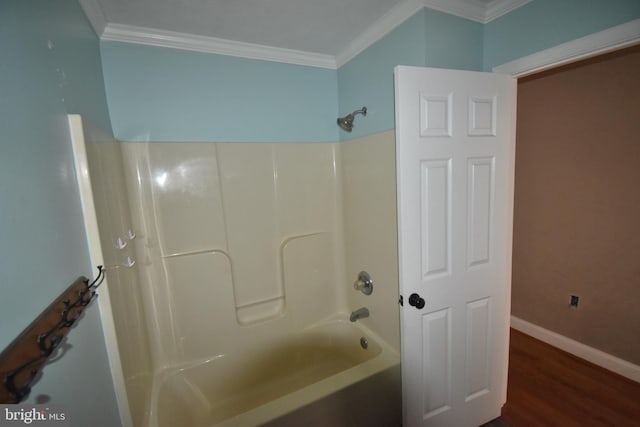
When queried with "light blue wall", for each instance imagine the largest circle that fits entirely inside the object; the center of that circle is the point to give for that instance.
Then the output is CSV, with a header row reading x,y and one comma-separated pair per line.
x,y
367,80
50,66
452,42
429,38
161,94
542,24
436,39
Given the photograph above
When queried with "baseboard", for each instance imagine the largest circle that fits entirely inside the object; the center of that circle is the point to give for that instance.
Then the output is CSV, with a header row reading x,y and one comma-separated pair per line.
x,y
595,356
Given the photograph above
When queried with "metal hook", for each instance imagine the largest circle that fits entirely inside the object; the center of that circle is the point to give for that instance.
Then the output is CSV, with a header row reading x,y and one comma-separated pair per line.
x,y
120,244
98,279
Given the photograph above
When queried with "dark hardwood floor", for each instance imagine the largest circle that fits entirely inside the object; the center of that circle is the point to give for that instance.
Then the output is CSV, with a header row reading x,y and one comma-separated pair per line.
x,y
549,387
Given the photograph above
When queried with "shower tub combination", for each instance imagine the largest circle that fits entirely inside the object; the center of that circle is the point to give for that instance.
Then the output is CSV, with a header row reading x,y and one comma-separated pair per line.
x,y
229,271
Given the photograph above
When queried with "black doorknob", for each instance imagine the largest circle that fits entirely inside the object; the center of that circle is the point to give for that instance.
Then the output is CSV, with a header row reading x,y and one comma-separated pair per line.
x,y
416,301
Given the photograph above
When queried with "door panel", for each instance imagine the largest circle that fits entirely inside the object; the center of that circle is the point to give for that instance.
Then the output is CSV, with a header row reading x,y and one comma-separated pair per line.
x,y
436,234
436,339
455,144
480,173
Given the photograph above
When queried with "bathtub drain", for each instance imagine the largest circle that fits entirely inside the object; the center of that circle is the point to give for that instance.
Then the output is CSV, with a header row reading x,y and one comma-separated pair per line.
x,y
364,343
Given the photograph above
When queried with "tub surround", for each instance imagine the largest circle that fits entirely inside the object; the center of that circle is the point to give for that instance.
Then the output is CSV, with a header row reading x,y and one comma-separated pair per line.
x,y
216,248
110,237
238,240
370,227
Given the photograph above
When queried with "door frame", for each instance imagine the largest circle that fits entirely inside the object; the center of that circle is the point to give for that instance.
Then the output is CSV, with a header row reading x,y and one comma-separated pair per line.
x,y
602,42
606,41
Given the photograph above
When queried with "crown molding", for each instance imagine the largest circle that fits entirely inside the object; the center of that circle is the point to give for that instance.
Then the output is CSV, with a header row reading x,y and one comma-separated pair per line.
x,y
475,10
464,9
94,13
469,9
598,43
497,8
380,28
176,40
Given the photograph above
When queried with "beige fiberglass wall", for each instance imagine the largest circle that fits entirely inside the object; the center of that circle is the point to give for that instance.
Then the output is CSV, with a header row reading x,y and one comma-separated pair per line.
x,y
105,164
214,247
243,242
240,242
577,202
371,228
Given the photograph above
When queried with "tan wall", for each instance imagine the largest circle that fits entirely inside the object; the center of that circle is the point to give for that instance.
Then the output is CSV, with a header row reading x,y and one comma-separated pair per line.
x,y
577,203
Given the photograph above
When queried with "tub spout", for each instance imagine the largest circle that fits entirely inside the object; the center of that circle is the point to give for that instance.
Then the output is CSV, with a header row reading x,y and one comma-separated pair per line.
x,y
359,314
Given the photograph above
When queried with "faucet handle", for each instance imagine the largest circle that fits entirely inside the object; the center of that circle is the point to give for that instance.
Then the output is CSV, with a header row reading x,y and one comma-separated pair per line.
x,y
364,283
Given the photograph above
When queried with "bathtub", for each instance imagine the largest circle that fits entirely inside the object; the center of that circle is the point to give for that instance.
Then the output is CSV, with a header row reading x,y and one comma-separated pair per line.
x,y
309,377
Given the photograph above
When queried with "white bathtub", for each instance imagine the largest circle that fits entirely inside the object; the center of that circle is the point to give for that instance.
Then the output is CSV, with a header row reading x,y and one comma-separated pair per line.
x,y
299,377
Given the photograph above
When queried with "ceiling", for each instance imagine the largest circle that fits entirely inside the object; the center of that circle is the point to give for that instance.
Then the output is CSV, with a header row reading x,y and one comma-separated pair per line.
x,y
327,30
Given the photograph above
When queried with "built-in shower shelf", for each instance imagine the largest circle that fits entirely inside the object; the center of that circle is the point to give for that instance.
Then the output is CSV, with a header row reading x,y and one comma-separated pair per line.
x,y
261,311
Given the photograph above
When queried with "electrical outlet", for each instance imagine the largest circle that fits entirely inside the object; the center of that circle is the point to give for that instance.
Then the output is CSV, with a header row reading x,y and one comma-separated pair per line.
x,y
574,301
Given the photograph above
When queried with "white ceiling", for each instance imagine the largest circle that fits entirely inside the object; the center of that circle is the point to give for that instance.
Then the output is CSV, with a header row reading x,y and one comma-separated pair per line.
x,y
318,26
327,30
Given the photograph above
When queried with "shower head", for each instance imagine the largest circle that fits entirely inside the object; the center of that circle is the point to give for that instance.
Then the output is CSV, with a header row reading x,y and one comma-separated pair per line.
x,y
346,122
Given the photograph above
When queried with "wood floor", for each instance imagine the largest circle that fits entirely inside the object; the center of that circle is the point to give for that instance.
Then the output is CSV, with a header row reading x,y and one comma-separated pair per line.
x,y
549,387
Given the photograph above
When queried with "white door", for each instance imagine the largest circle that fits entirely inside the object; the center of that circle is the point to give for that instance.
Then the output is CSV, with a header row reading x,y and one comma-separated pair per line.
x,y
455,145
